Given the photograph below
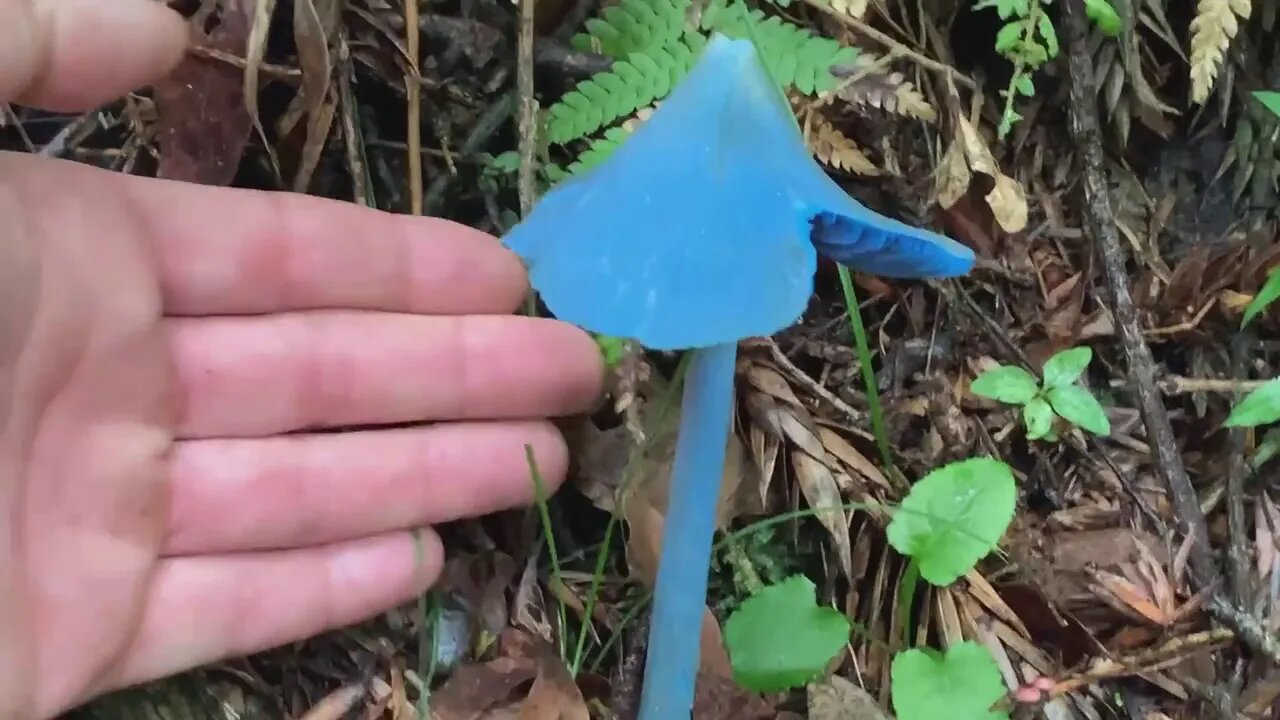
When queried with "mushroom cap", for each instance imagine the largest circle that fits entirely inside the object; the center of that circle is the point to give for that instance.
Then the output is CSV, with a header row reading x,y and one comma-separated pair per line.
x,y
703,227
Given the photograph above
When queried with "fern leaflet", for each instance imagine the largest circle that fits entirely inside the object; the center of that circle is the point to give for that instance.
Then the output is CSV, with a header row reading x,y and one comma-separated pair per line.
x,y
629,85
633,26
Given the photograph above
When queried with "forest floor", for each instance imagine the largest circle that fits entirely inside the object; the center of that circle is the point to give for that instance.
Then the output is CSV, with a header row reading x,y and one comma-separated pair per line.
x,y
1131,209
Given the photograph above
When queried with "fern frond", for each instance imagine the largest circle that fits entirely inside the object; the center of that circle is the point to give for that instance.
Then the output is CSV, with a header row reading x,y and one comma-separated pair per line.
x,y
630,84
794,56
633,26
833,148
599,149
885,90
1212,30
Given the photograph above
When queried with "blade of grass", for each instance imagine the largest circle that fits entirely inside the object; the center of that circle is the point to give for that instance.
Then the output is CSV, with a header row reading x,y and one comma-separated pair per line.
x,y
540,496
868,372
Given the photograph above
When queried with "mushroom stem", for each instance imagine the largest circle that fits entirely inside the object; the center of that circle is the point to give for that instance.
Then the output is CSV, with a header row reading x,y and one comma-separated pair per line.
x,y
680,594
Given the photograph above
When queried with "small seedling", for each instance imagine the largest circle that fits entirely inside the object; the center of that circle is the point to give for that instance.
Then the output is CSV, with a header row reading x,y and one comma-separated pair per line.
x,y
1056,393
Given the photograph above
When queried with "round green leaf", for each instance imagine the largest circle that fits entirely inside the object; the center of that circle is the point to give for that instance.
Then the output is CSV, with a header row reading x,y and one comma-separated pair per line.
x,y
1259,407
963,684
1067,366
1038,417
780,638
954,516
1007,384
1081,408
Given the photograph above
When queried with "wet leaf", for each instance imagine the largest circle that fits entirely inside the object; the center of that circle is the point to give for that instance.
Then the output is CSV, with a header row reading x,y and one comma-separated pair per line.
x,y
1080,407
781,638
1006,383
954,516
1259,407
962,684
1066,367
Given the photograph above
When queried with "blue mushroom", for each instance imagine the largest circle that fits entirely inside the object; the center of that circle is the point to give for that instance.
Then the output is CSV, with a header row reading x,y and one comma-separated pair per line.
x,y
701,229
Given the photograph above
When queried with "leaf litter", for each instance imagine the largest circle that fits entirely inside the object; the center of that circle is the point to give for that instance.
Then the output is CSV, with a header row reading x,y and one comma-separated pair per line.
x,y
1087,601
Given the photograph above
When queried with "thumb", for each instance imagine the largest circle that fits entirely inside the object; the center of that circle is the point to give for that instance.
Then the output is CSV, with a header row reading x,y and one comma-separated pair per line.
x,y
69,55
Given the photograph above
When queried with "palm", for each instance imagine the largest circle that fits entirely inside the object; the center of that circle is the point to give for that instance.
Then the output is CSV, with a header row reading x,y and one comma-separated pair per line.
x,y
163,350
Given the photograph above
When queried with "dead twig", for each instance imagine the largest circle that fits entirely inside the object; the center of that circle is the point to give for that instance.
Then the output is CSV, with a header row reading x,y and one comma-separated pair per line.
x,y
528,107
1087,136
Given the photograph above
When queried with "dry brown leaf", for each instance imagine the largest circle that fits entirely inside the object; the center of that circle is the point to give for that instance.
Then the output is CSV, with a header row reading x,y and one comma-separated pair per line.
x,y
853,8
201,118
255,51
720,698
852,457
336,704
953,175
821,492
976,151
473,690
1008,203
839,699
831,147
1212,30
554,695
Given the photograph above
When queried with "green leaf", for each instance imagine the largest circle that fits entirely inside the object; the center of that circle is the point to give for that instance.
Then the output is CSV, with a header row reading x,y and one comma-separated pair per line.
x,y
1066,367
1006,8
612,349
1104,16
780,638
1259,407
963,684
1009,37
1269,292
1269,98
1007,384
1024,85
954,516
1038,417
1049,33
1080,407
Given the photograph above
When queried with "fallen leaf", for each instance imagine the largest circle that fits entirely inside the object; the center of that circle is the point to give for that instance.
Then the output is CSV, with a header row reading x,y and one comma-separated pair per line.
x,y
821,492
1008,203
554,695
719,698
839,699
336,704
202,121
472,690
953,175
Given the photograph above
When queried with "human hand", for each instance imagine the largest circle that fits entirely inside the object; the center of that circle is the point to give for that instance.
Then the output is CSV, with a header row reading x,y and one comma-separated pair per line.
x,y
168,356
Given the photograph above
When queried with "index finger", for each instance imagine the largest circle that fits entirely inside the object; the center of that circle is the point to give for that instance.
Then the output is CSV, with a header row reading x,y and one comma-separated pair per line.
x,y
233,251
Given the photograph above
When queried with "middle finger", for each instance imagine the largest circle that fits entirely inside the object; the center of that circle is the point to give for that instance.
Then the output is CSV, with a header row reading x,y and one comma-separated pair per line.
x,y
256,376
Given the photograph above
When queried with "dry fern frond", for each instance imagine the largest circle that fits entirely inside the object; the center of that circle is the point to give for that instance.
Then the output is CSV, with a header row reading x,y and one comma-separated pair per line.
x,y
832,148
853,8
887,91
1212,30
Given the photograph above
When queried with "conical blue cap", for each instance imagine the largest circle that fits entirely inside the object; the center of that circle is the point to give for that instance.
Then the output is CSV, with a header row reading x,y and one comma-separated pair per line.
x,y
701,227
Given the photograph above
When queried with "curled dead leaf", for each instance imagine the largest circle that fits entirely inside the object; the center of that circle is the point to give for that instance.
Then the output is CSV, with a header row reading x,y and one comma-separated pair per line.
x,y
822,493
